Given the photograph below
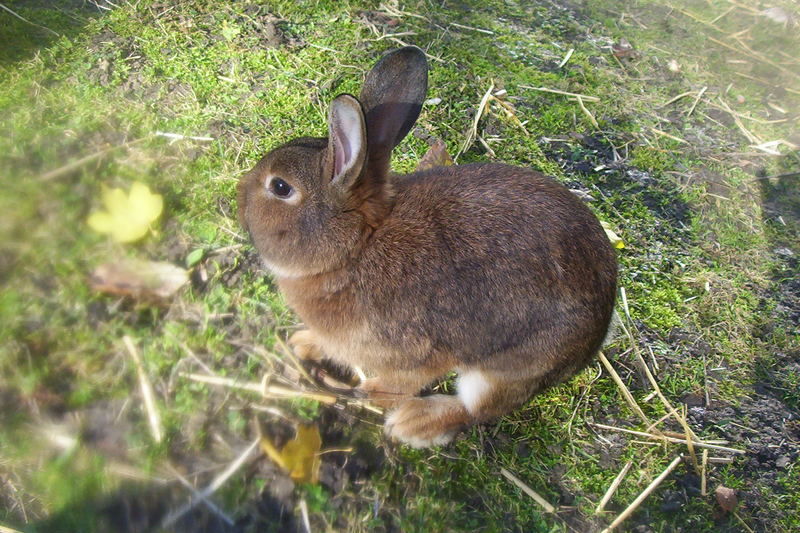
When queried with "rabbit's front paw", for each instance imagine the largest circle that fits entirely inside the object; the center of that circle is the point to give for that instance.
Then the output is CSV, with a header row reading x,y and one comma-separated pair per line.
x,y
428,421
382,393
305,345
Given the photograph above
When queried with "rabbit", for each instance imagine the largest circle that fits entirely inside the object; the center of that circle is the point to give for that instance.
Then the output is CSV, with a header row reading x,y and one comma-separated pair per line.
x,y
496,272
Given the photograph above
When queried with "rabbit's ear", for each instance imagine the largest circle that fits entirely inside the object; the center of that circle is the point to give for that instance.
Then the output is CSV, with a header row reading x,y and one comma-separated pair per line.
x,y
347,146
392,98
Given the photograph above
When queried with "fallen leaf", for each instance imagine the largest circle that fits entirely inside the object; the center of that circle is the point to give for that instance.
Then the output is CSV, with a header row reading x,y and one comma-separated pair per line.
x,y
194,257
300,456
141,280
623,48
127,217
779,15
616,240
726,498
673,66
436,156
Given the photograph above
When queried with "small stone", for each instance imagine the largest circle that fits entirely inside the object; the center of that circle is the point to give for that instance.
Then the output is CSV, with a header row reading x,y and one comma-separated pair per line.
x,y
726,498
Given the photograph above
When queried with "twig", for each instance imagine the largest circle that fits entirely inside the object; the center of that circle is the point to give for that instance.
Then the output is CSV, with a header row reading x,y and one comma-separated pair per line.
x,y
697,444
147,391
218,481
264,388
564,93
639,499
69,167
613,487
527,490
23,19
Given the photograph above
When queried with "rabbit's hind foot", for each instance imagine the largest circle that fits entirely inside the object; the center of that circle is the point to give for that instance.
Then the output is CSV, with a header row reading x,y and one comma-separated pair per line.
x,y
305,345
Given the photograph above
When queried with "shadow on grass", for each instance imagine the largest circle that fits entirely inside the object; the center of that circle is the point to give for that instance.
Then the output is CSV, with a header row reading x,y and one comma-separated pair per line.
x,y
140,508
45,23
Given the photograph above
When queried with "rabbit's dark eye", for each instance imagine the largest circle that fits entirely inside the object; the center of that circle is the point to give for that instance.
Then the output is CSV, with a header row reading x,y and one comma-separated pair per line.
x,y
280,188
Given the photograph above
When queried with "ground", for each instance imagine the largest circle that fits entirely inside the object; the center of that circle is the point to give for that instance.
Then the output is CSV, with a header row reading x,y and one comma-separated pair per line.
x,y
684,141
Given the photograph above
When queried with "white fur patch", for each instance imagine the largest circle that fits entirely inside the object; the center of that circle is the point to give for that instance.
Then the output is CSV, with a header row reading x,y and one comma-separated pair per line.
x,y
472,386
280,271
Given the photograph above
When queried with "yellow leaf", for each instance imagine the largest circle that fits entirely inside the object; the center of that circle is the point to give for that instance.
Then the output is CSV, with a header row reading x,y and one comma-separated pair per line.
x,y
272,452
127,217
300,456
616,240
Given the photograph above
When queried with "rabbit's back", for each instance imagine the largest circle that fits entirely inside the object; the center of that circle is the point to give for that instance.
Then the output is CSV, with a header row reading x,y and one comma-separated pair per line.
x,y
483,259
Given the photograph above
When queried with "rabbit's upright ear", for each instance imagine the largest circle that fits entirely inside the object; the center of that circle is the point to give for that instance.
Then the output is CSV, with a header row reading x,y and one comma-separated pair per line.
x,y
392,98
347,143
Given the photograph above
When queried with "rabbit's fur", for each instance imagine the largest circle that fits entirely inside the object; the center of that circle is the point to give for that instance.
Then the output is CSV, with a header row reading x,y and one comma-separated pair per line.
x,y
496,272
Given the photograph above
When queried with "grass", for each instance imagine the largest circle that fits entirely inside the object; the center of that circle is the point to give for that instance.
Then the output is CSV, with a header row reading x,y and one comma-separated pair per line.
x,y
699,266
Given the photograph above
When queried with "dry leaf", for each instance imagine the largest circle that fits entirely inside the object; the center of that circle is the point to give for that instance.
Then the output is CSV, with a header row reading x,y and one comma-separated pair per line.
x,y
673,66
127,217
779,15
142,280
726,498
300,456
623,49
436,156
616,240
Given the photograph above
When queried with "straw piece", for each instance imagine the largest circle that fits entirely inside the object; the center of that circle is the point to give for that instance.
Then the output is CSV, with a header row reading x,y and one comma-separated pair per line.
x,y
697,99
623,389
564,93
147,391
668,136
69,167
639,499
206,501
527,490
675,99
703,481
304,515
473,130
613,487
566,58
587,113
218,481
263,388
697,444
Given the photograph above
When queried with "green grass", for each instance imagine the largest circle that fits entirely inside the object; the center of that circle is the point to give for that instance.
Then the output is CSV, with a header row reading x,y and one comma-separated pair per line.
x,y
686,212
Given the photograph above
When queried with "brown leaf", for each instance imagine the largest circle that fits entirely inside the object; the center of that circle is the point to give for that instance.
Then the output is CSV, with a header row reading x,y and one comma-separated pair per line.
x,y
623,49
436,156
726,498
141,280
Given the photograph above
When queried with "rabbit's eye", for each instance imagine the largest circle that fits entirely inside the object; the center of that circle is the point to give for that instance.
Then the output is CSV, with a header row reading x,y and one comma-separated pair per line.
x,y
280,188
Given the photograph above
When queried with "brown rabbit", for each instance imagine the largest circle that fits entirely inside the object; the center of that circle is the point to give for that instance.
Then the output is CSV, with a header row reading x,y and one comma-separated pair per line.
x,y
496,272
